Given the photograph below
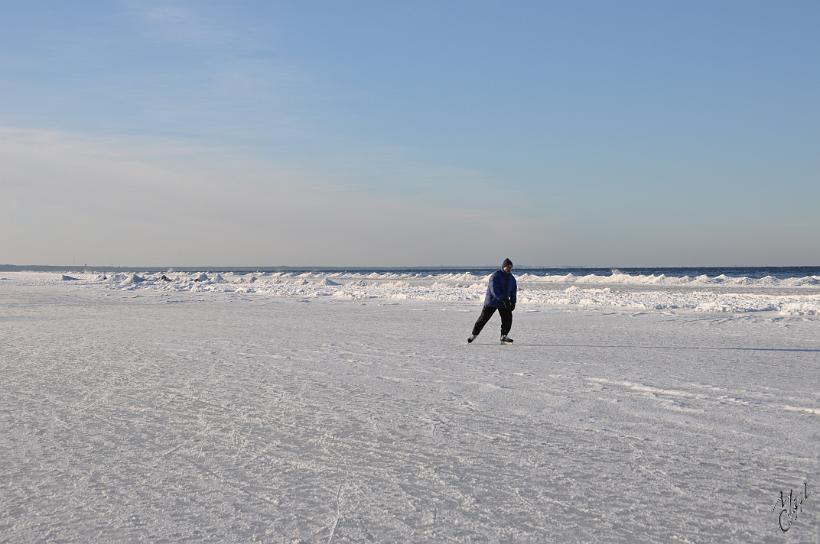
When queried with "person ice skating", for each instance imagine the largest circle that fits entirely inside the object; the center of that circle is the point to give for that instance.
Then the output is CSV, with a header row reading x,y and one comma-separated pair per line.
x,y
501,294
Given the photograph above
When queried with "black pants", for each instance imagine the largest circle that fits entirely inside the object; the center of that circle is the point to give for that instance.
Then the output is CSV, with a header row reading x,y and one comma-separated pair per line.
x,y
486,313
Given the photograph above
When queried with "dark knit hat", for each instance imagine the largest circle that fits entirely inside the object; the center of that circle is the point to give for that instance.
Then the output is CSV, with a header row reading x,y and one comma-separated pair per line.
x,y
507,262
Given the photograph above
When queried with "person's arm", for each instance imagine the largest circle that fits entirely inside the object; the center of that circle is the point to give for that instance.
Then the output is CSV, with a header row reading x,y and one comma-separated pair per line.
x,y
496,287
514,294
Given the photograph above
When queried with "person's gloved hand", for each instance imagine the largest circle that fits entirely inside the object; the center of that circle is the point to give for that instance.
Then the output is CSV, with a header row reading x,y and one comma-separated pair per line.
x,y
508,305
512,306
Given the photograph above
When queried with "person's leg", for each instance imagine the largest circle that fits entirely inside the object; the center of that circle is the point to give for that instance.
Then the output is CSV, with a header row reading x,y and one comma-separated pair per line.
x,y
486,313
506,321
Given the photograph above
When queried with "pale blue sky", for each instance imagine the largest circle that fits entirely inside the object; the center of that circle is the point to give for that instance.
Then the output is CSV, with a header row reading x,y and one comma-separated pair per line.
x,y
410,133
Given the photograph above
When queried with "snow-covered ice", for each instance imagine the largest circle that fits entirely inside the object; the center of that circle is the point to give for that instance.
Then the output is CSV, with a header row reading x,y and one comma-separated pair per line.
x,y
349,408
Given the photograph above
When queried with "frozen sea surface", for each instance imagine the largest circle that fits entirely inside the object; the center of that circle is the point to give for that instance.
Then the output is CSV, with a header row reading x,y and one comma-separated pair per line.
x,y
157,415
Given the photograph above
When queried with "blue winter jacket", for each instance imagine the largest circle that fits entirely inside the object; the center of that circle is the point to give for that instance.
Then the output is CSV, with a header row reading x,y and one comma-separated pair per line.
x,y
502,285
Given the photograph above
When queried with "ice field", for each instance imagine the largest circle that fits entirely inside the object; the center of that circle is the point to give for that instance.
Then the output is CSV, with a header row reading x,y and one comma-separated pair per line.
x,y
321,408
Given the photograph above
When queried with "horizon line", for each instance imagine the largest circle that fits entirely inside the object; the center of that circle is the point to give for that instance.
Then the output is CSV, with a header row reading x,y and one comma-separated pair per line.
x,y
36,267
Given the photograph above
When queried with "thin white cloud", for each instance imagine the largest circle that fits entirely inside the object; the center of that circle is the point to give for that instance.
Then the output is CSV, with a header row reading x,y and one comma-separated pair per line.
x,y
177,22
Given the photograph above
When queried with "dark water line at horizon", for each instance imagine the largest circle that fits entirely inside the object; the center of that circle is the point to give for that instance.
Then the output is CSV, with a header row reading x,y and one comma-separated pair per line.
x,y
753,272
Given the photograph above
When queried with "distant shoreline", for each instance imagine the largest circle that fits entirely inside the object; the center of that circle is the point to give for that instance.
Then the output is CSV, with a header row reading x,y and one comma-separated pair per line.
x,y
731,271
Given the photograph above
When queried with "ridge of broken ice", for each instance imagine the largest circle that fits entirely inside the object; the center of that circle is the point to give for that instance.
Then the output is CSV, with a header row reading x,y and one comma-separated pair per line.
x,y
723,294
